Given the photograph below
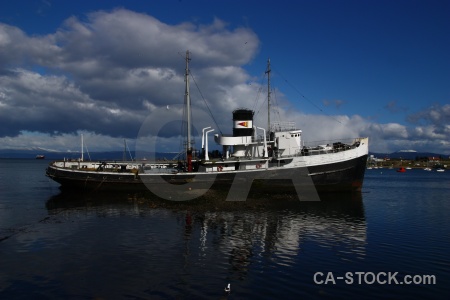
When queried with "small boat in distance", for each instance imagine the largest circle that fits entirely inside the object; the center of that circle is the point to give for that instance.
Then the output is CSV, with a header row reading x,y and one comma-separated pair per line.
x,y
40,156
401,170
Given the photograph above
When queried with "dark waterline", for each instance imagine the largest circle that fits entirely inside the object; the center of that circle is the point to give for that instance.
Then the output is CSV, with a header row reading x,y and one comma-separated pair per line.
x,y
59,245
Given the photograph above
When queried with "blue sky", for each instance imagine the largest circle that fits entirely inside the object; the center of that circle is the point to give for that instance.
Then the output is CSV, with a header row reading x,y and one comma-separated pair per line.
x,y
340,68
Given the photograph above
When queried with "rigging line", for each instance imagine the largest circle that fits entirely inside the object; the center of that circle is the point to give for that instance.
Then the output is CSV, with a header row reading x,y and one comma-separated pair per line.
x,y
261,86
277,105
262,105
258,94
87,150
304,97
206,103
128,148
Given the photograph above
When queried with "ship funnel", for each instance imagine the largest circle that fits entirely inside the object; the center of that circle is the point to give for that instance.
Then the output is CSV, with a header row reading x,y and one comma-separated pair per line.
x,y
243,122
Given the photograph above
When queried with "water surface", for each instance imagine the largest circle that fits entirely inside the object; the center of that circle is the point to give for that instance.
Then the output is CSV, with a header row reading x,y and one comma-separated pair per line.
x,y
57,244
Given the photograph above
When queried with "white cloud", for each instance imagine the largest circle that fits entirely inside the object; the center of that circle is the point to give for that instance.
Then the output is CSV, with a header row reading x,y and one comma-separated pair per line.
x,y
104,75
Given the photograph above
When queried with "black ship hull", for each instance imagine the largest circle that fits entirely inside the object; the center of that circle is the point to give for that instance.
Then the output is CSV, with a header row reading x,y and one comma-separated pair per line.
x,y
339,176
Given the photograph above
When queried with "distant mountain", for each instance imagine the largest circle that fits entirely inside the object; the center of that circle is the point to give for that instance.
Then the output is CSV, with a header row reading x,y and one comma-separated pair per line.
x,y
408,154
54,155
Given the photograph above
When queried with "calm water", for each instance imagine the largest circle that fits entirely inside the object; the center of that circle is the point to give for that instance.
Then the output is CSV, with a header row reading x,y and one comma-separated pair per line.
x,y
56,245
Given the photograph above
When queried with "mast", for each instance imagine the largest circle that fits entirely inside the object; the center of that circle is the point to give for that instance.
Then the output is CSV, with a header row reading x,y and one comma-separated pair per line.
x,y
188,115
268,94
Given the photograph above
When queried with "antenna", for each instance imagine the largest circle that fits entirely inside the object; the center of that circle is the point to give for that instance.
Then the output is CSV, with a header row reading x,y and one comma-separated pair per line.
x,y
124,155
82,148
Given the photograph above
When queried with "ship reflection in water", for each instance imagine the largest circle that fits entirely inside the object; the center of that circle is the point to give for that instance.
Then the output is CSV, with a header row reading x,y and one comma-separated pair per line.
x,y
196,248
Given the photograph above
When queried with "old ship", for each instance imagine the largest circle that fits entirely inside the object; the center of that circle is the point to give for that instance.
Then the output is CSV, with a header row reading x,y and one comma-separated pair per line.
x,y
270,159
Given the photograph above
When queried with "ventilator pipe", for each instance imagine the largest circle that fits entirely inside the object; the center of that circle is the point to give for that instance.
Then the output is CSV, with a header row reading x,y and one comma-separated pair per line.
x,y
206,144
265,142
203,136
